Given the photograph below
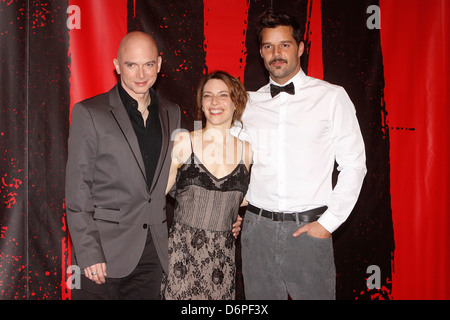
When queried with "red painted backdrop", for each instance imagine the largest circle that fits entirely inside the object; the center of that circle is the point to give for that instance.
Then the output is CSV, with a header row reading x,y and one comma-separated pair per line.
x,y
415,40
415,54
35,114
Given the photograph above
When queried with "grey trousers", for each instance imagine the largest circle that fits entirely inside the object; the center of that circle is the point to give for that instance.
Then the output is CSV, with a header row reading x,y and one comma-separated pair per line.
x,y
275,264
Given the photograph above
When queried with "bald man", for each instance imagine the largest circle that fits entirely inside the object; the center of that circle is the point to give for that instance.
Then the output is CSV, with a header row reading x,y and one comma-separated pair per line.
x,y
117,169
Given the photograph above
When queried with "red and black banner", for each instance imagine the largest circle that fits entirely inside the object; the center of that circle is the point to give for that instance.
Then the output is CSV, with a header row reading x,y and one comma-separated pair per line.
x,y
390,55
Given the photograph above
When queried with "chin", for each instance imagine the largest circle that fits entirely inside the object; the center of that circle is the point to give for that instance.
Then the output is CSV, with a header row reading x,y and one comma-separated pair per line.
x,y
279,73
141,90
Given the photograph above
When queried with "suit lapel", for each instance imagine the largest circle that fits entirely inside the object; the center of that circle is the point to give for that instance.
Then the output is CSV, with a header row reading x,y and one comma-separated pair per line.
x,y
123,121
164,119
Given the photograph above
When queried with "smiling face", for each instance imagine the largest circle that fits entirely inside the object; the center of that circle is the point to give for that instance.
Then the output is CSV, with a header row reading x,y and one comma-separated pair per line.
x,y
138,64
281,53
217,104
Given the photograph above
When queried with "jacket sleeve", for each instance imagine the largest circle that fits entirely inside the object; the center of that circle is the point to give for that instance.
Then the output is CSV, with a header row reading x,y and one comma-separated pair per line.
x,y
82,146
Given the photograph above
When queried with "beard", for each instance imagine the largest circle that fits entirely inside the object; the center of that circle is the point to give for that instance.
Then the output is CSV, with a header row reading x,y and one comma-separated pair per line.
x,y
282,71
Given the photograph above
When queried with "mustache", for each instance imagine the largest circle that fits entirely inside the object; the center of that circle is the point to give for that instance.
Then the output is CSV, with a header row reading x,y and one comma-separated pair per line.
x,y
278,60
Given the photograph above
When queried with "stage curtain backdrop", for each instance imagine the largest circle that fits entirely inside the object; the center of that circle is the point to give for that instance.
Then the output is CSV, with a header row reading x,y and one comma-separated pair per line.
x,y
397,76
415,41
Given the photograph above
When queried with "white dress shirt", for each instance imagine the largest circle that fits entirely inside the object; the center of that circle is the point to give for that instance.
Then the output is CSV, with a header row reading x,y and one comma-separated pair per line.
x,y
296,140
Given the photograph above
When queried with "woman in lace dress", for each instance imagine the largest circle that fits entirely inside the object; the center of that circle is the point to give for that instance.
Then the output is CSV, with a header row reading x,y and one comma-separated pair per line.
x,y
210,171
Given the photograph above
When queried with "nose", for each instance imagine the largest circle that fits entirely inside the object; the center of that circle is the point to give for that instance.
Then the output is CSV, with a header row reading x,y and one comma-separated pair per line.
x,y
276,51
214,99
140,72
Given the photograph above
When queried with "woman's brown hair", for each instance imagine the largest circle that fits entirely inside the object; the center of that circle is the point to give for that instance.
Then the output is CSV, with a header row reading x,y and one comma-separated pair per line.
x,y
238,94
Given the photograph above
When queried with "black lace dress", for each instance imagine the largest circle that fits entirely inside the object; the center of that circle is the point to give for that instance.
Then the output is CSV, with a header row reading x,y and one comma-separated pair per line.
x,y
201,244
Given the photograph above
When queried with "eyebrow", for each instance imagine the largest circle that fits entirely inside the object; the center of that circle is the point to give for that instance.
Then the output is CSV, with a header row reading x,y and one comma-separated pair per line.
x,y
283,41
128,62
218,92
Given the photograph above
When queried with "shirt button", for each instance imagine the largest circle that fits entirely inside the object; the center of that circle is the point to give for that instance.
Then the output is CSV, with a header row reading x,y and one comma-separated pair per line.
x,y
149,200
144,226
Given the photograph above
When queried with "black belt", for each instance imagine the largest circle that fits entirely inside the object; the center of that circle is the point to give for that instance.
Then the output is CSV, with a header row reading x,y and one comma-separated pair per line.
x,y
305,216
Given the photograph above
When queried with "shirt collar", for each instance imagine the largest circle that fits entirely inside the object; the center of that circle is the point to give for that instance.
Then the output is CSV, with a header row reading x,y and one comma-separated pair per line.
x,y
131,103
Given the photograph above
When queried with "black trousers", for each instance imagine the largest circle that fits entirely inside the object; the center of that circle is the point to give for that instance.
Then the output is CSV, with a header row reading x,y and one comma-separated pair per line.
x,y
144,283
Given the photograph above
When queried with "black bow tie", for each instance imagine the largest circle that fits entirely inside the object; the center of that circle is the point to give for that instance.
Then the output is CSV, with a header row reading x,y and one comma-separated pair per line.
x,y
274,90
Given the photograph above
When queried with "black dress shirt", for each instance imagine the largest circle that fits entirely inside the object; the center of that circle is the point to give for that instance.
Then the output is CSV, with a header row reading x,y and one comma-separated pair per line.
x,y
149,136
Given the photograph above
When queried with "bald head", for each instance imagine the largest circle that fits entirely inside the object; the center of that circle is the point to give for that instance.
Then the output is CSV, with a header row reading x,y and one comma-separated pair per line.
x,y
138,63
135,39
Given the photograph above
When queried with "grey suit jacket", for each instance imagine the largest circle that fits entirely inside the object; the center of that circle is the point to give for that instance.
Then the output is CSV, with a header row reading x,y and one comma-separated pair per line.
x,y
109,206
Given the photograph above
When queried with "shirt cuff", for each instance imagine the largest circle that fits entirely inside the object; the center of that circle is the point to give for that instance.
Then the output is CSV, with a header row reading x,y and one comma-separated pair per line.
x,y
329,221
239,132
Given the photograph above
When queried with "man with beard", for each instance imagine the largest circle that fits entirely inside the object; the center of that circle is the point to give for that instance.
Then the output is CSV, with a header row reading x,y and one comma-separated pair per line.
x,y
298,127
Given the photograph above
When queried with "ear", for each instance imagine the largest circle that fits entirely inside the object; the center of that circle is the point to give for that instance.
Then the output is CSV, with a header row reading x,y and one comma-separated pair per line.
x,y
159,63
116,65
301,48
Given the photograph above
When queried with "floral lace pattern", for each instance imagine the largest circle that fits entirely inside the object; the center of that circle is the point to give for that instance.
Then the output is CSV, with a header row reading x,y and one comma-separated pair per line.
x,y
202,264
196,173
202,260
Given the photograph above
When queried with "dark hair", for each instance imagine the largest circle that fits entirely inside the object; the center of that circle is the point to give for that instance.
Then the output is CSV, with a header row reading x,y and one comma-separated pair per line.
x,y
238,94
272,19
